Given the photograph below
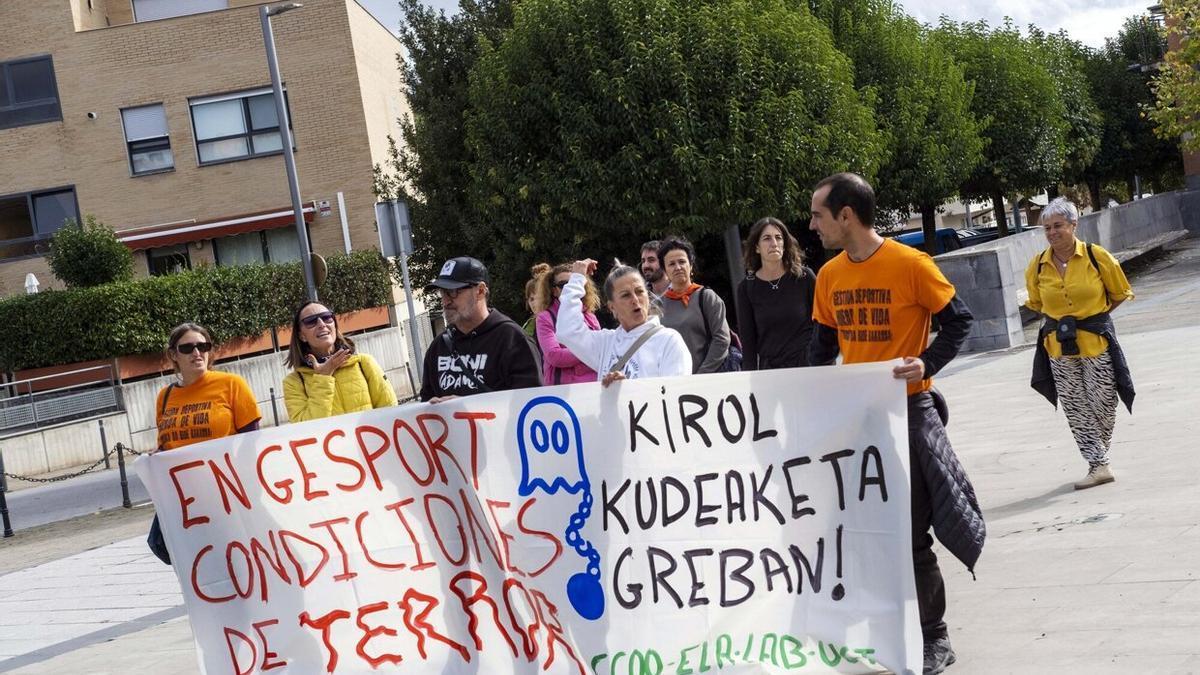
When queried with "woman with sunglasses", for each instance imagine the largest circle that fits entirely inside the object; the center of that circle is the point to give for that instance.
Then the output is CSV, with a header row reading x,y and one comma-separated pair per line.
x,y
559,365
202,405
328,378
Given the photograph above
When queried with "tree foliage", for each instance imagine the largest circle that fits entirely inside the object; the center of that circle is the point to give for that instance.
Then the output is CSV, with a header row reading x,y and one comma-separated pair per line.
x,y
1177,85
1026,119
1129,145
429,168
1064,59
88,254
597,124
136,316
922,103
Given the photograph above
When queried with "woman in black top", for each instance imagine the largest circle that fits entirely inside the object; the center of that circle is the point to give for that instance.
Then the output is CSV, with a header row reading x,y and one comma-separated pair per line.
x,y
775,299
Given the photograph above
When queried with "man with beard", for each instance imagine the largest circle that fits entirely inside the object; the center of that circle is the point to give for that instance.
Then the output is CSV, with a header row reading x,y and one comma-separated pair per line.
x,y
652,272
873,302
481,349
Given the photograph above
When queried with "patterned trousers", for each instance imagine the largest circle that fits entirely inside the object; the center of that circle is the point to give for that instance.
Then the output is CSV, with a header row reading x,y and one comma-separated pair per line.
x,y
1088,394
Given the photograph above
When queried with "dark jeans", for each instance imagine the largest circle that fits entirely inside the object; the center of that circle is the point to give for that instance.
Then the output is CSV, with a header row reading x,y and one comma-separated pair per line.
x,y
925,428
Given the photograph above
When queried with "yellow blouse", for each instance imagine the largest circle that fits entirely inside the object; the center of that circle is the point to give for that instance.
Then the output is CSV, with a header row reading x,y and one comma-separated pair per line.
x,y
1081,292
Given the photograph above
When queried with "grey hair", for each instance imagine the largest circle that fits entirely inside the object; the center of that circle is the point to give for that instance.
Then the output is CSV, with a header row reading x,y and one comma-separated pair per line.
x,y
1060,206
619,271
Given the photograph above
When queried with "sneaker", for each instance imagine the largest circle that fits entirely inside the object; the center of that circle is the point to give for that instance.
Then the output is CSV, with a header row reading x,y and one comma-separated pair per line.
x,y
1097,475
939,655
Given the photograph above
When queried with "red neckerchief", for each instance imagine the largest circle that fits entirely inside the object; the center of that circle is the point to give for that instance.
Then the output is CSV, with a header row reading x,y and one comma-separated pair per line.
x,y
683,297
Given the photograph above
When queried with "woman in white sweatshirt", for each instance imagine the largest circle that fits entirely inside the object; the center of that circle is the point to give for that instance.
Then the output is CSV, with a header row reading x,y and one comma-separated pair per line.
x,y
662,354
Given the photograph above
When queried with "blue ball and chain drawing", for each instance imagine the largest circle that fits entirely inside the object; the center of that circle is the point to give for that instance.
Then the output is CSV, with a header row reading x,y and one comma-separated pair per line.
x,y
551,445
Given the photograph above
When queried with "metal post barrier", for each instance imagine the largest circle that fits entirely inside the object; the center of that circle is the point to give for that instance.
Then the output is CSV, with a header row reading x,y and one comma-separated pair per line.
x,y
124,480
8,531
274,408
104,447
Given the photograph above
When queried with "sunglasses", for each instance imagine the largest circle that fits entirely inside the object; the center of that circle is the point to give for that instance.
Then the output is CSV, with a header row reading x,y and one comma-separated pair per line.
x,y
189,347
561,284
311,320
453,293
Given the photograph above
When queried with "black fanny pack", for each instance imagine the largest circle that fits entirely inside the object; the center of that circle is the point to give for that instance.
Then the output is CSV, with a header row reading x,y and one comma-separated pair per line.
x,y
1066,333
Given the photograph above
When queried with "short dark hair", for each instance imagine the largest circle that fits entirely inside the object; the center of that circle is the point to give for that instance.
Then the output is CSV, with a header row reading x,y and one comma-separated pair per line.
x,y
677,244
850,189
651,245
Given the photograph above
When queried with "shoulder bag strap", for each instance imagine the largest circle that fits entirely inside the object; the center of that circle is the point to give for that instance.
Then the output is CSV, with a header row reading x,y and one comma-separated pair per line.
x,y
704,316
637,344
1092,255
166,396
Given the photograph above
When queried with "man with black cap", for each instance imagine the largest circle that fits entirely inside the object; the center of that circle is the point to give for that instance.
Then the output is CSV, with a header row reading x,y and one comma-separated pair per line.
x,y
481,350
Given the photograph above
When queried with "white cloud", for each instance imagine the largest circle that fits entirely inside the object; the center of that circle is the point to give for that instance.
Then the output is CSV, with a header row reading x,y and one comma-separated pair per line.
x,y
1089,21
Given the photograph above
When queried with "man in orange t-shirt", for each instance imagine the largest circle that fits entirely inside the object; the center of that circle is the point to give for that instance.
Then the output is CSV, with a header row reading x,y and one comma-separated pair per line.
x,y
873,302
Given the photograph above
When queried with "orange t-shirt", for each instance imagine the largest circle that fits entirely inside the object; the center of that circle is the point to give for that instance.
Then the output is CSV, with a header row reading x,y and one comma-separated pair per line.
x,y
215,406
881,306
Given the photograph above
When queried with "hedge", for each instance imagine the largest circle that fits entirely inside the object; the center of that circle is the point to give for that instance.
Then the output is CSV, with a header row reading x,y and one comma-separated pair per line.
x,y
135,317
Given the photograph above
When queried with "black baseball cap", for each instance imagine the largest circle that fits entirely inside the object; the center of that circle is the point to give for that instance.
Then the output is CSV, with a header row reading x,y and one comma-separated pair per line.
x,y
459,273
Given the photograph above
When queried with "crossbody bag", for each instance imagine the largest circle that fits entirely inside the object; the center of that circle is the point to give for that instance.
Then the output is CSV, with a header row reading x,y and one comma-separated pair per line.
x,y
637,344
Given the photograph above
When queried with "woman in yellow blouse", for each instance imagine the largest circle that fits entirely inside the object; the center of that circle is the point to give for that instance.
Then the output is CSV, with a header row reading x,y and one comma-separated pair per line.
x,y
1076,285
328,377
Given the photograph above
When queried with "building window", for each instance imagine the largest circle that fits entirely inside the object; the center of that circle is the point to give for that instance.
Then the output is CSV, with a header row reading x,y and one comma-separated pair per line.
x,y
27,220
147,140
152,10
168,260
275,246
236,126
28,92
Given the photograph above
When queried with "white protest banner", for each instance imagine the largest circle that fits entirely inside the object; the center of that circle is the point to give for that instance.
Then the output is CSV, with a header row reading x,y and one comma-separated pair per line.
x,y
742,522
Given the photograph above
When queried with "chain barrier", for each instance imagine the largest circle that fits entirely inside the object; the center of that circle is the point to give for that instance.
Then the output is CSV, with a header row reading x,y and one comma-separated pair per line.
x,y
77,474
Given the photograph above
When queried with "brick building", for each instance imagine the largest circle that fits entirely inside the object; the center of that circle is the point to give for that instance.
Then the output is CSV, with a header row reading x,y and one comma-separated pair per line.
x,y
156,117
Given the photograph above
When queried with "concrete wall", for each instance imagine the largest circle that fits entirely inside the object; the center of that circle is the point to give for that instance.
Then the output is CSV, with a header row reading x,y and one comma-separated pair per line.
x,y
63,446
78,443
990,277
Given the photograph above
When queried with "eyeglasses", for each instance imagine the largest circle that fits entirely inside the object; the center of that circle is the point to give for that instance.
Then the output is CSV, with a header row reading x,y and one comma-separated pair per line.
x,y
189,347
312,319
561,284
453,293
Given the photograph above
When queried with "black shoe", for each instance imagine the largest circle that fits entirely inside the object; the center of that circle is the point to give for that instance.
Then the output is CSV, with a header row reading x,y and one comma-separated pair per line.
x,y
939,655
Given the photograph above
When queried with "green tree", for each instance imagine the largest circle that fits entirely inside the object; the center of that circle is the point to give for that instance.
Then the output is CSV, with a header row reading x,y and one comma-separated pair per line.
x,y
429,169
922,104
1064,58
1177,85
1142,41
88,254
1129,147
599,123
1026,127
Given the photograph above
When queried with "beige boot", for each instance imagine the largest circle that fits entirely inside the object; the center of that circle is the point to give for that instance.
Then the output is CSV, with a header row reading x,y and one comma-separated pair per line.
x,y
1098,475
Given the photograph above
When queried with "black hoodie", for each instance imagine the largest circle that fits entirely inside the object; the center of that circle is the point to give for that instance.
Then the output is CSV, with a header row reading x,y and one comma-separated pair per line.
x,y
498,354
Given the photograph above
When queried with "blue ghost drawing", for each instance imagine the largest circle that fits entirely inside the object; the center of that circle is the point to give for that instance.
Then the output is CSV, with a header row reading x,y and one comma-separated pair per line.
x,y
551,446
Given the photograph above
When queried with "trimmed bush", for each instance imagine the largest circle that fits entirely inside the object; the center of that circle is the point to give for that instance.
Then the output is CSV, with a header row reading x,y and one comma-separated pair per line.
x,y
136,317
87,255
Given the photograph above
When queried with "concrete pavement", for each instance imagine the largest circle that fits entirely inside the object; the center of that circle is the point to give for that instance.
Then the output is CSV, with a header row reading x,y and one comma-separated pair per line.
x,y
31,506
1098,581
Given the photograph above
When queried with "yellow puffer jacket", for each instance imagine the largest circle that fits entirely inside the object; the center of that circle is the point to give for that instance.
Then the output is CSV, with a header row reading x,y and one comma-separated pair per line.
x,y
358,385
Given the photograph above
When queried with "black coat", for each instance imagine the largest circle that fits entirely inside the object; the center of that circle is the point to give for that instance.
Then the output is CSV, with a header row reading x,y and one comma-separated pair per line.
x,y
1101,324
955,514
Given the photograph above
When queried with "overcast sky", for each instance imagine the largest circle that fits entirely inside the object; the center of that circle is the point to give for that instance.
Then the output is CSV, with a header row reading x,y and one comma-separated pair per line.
x,y
1089,21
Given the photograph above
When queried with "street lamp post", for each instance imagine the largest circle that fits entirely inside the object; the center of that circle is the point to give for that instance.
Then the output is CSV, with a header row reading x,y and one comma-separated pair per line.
x,y
285,132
